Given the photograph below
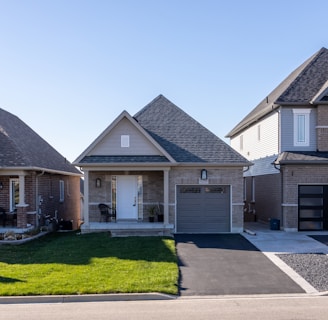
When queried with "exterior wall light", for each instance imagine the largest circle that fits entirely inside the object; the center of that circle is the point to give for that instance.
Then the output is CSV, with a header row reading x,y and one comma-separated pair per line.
x,y
98,183
203,174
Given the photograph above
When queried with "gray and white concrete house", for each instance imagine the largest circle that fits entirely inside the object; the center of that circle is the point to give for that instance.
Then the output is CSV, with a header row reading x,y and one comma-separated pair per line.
x,y
37,184
286,137
161,162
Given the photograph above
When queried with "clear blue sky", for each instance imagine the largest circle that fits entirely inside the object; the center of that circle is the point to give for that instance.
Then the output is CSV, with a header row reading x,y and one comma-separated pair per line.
x,y
68,68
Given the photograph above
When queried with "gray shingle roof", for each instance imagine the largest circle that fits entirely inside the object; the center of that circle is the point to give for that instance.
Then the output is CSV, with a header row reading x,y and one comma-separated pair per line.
x,y
123,159
21,147
300,87
182,137
301,157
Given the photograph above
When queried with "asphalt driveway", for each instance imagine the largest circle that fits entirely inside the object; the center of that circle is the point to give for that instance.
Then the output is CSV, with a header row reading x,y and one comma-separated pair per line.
x,y
227,264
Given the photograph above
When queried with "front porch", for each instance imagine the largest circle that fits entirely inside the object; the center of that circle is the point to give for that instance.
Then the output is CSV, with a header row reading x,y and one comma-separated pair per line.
x,y
130,228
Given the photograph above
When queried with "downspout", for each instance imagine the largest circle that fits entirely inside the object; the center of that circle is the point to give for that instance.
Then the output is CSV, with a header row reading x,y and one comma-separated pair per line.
x,y
37,202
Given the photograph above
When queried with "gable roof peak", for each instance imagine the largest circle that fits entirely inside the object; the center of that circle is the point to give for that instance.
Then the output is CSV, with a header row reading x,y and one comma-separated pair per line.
x,y
299,88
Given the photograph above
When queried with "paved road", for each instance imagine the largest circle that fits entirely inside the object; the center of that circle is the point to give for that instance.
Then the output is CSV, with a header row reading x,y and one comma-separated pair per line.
x,y
227,264
279,308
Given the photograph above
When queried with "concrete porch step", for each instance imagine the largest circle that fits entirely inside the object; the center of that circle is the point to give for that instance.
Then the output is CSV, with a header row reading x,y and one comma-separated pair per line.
x,y
122,229
140,233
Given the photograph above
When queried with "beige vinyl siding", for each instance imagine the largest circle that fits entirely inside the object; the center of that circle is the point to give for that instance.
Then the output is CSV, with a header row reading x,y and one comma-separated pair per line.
x,y
138,144
260,140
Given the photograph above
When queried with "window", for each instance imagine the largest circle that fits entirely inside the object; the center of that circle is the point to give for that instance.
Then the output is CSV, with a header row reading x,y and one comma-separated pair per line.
x,y
14,194
259,132
301,127
61,191
241,142
253,189
190,190
125,141
215,189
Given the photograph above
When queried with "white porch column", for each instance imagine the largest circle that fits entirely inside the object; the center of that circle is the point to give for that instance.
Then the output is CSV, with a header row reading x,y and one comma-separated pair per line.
x,y
21,201
86,199
166,196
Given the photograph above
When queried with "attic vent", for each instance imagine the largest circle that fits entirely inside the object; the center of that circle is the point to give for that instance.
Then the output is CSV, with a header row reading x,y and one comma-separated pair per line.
x,y
125,141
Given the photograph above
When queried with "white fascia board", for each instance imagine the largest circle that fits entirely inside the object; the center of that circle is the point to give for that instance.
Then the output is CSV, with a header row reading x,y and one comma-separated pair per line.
x,y
126,115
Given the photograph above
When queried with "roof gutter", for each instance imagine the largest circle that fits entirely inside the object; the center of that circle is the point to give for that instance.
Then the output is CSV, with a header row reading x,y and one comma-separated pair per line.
x,y
161,165
298,162
66,173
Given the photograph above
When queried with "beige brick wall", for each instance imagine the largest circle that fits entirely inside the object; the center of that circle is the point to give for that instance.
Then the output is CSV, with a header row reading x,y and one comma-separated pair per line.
x,y
220,176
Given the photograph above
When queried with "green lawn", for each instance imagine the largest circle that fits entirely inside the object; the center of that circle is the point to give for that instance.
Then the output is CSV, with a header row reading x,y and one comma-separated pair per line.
x,y
70,263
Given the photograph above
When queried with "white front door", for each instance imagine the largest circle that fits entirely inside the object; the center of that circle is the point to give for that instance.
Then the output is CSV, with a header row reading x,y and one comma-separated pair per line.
x,y
126,198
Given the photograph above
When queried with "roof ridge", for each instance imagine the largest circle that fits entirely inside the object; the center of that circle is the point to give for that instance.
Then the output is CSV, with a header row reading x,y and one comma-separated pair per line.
x,y
277,95
142,110
307,64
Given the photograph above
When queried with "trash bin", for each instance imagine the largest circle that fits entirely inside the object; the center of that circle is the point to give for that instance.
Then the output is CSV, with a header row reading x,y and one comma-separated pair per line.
x,y
274,224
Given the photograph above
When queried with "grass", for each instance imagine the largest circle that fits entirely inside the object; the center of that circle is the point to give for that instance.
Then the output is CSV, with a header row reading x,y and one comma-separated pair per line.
x,y
69,263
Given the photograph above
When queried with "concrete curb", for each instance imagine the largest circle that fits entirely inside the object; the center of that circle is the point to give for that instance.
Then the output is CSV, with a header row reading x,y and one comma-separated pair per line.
x,y
85,298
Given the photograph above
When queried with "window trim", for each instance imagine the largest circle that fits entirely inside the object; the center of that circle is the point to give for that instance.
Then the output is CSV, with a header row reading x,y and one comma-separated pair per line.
x,y
61,191
12,204
298,141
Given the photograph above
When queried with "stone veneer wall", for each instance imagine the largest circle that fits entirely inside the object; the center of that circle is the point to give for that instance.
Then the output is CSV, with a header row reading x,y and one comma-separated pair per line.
x,y
152,190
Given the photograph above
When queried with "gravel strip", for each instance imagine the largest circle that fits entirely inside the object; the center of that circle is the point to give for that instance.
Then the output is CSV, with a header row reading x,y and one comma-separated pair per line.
x,y
313,267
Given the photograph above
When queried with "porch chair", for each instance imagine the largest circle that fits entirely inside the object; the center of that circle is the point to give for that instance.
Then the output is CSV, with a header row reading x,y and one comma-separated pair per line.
x,y
106,212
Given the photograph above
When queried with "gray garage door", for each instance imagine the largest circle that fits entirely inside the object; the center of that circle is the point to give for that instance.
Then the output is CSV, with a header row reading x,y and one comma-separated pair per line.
x,y
203,209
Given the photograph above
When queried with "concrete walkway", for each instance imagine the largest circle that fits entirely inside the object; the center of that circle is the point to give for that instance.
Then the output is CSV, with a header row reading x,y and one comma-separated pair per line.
x,y
273,242
276,241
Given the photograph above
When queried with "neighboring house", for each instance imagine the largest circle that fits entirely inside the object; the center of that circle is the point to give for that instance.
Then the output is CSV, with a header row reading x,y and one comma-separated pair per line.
x,y
36,182
162,160
286,137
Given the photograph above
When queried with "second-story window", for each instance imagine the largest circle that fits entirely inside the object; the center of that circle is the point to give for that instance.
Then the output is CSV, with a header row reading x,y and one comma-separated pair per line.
x,y
301,127
241,143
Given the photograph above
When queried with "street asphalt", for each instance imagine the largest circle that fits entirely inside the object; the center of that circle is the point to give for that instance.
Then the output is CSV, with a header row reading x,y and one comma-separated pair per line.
x,y
227,264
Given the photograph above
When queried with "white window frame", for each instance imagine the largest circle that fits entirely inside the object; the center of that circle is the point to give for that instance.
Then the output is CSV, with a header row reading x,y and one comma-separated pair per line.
x,y
61,191
125,141
12,203
301,130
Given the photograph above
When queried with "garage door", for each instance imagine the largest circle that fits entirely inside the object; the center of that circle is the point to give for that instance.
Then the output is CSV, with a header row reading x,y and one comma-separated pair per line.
x,y
203,209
